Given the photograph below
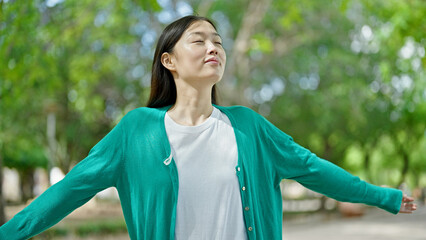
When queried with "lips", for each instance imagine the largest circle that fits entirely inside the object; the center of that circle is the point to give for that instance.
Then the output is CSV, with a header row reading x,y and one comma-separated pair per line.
x,y
212,60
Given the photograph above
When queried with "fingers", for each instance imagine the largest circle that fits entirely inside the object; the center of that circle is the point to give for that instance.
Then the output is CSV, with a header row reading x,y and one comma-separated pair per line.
x,y
408,207
406,198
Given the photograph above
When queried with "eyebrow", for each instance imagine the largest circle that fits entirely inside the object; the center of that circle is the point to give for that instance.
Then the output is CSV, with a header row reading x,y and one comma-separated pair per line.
x,y
204,34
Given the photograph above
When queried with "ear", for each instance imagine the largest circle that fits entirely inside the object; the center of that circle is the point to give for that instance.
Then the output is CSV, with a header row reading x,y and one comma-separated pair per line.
x,y
167,61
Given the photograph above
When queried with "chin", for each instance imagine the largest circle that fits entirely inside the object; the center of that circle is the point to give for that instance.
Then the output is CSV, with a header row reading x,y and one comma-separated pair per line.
x,y
216,79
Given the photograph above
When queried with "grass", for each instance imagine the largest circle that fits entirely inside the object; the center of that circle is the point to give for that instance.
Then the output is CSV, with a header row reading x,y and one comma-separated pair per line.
x,y
84,228
101,227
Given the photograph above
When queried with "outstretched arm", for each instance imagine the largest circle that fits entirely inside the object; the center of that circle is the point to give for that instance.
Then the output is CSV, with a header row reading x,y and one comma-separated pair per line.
x,y
96,172
293,161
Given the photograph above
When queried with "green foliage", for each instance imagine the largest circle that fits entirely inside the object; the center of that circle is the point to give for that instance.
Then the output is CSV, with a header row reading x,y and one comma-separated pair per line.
x,y
24,154
74,60
262,43
103,227
85,229
52,233
344,74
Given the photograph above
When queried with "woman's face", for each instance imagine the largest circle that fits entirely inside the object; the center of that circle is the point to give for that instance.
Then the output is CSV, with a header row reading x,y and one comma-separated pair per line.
x,y
198,56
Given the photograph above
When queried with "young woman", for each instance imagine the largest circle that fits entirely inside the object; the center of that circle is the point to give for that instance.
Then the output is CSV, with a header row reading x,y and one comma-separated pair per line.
x,y
186,168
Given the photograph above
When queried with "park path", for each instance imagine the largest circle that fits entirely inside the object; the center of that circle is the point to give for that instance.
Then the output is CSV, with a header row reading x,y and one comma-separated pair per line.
x,y
376,224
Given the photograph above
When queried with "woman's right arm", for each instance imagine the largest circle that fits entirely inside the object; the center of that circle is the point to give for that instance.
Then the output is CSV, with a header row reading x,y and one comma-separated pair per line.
x,y
99,170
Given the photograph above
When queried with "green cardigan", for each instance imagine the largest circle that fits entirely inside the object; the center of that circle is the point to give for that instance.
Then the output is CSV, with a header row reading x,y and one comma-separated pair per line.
x,y
135,158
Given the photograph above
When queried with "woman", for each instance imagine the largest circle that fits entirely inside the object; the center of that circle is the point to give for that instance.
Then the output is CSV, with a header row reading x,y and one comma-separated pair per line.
x,y
230,160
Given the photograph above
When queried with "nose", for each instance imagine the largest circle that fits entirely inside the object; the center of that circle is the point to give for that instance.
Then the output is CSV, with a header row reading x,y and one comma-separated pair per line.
x,y
212,48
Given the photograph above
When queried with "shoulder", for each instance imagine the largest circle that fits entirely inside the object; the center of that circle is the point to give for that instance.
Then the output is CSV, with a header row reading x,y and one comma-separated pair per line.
x,y
239,112
246,118
243,117
142,116
144,112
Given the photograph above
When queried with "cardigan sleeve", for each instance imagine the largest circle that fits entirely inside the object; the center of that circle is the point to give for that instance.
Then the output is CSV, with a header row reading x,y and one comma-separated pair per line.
x,y
99,170
292,161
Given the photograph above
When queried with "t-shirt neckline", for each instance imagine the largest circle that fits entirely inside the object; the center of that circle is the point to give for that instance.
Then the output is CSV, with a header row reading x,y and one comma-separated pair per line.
x,y
192,129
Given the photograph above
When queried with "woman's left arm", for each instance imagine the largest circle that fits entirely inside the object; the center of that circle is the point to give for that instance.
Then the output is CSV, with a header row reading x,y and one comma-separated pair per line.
x,y
292,161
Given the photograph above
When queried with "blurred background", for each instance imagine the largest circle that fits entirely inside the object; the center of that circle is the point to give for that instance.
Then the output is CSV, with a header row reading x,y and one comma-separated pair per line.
x,y
345,78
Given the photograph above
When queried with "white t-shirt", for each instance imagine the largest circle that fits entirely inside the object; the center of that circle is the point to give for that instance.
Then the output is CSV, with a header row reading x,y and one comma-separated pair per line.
x,y
209,199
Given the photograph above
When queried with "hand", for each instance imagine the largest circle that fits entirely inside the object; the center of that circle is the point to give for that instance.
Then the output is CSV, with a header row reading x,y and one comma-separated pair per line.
x,y
407,206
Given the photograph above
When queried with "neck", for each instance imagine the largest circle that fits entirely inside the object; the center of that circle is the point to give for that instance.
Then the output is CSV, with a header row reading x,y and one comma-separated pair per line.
x,y
193,105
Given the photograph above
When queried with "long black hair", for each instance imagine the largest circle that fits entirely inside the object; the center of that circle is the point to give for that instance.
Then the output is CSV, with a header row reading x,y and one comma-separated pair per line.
x,y
163,87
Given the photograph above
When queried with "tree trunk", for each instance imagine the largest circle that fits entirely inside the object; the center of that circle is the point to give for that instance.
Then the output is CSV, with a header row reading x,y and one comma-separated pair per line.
x,y
328,149
2,202
51,140
204,7
405,157
367,160
27,184
404,171
239,63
